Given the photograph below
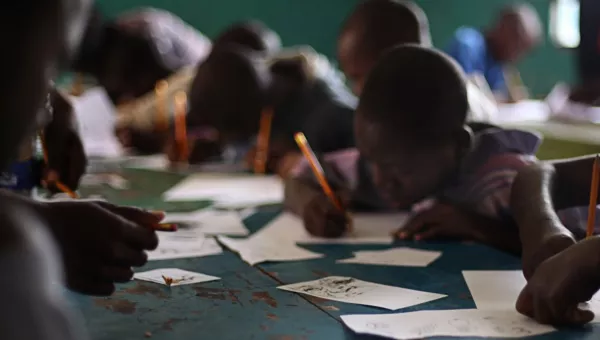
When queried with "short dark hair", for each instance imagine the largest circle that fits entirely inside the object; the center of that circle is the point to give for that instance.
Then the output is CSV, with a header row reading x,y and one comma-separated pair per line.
x,y
386,23
253,35
418,92
228,93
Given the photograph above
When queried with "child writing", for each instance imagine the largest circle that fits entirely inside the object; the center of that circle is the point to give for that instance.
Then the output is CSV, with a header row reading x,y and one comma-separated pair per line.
x,y
561,273
234,86
413,143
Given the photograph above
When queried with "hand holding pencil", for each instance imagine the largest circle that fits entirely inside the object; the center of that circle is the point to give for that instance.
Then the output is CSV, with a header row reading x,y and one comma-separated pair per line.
x,y
325,215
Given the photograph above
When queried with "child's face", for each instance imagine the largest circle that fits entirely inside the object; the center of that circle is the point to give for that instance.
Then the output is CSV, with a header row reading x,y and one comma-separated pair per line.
x,y
404,172
353,62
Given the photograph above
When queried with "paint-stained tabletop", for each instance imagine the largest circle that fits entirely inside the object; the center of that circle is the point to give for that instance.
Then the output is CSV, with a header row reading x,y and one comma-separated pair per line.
x,y
245,303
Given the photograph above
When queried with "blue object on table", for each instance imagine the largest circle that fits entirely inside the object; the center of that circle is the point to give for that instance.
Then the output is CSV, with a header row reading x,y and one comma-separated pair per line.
x,y
22,176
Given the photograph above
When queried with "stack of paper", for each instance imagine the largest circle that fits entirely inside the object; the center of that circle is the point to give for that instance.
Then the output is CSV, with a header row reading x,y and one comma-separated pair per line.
x,y
402,257
229,190
350,290
208,222
179,277
456,323
175,246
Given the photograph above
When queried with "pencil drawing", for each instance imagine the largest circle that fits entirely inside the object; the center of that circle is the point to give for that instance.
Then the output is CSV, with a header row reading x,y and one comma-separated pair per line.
x,y
335,287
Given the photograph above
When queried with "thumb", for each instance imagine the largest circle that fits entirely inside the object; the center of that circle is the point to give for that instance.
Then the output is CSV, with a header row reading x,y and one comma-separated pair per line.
x,y
524,303
577,316
133,214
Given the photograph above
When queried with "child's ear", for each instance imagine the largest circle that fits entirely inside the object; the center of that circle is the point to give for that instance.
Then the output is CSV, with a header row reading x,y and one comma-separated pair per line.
x,y
464,139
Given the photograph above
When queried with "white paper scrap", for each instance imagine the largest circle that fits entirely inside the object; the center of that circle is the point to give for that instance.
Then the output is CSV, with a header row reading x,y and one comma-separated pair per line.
x,y
176,246
495,289
180,277
456,323
350,290
401,257
229,190
257,250
209,222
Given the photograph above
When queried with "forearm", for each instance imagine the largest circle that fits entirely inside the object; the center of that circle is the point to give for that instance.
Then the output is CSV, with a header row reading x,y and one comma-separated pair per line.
x,y
498,234
298,193
38,207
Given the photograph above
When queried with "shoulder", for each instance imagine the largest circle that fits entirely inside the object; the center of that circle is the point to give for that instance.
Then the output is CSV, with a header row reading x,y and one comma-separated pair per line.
x,y
495,141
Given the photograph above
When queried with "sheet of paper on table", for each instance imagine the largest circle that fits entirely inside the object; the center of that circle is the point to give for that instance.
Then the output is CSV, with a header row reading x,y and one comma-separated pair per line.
x,y
455,323
499,290
209,222
256,250
401,257
229,190
176,246
350,290
180,277
96,116
367,229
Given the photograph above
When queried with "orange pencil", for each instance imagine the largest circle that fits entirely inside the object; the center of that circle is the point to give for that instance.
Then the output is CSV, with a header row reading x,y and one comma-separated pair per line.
x,y
77,86
180,125
593,198
262,144
316,168
160,94
59,185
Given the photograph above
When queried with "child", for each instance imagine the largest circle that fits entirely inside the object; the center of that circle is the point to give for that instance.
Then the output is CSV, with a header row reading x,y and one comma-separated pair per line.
x,y
373,27
113,239
515,33
378,25
413,144
234,86
561,273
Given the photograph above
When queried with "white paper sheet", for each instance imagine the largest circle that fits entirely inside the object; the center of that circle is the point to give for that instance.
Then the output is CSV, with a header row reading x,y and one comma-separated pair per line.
x,y
176,246
180,277
229,190
96,116
209,222
257,250
457,323
350,290
401,257
368,229
495,289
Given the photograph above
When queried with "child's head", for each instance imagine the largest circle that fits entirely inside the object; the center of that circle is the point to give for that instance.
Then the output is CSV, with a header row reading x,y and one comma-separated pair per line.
x,y
516,32
253,35
410,123
228,93
374,27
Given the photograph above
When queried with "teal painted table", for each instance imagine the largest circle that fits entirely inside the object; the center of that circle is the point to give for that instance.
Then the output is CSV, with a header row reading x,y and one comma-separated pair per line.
x,y
245,304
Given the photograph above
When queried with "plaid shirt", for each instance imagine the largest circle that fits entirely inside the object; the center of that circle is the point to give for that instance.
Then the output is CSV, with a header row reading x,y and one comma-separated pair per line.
x,y
483,184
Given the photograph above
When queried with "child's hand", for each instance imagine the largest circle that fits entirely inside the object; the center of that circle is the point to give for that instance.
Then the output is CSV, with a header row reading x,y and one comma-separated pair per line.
x,y
100,242
323,219
67,161
560,283
441,221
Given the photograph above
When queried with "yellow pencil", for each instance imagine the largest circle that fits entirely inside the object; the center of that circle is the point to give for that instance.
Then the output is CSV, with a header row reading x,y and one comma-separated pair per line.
x,y
593,198
180,126
160,93
262,143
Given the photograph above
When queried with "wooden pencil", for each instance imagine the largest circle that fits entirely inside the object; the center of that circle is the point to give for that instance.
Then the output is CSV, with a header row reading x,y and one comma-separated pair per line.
x,y
593,198
77,86
262,143
180,126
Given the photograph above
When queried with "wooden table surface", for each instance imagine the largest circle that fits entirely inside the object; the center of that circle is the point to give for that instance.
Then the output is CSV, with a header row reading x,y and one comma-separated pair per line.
x,y
245,303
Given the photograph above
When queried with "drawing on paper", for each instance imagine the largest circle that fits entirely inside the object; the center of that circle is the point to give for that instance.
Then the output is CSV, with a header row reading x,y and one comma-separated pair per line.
x,y
507,326
424,330
461,325
335,287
